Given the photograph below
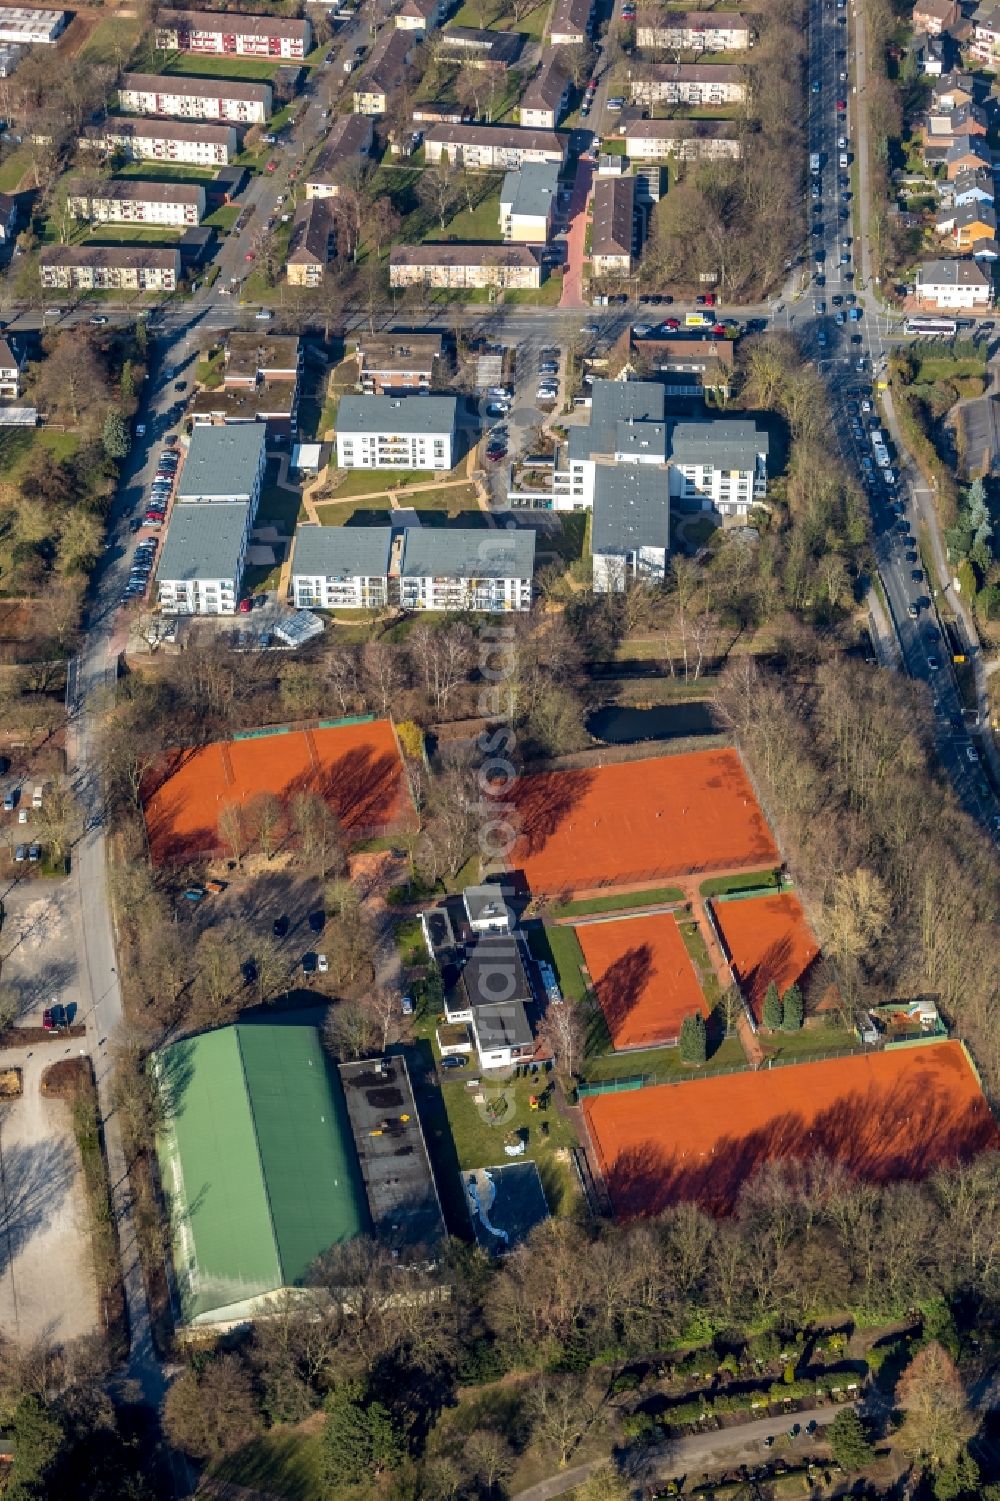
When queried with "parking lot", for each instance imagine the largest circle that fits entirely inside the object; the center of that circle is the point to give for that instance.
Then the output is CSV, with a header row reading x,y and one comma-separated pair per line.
x,y
38,948
47,1289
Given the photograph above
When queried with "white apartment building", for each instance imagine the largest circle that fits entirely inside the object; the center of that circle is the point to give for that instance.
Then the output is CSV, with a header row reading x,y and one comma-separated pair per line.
x,y
630,532
110,267
686,83
31,27
694,31
200,571
719,466
231,33
396,432
441,264
466,569
495,147
953,285
128,200
627,426
165,141
687,140
571,23
11,365
224,466
341,567
195,98
527,203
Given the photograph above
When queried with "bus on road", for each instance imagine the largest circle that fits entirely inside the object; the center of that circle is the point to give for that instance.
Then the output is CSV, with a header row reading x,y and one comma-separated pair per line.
x,y
930,326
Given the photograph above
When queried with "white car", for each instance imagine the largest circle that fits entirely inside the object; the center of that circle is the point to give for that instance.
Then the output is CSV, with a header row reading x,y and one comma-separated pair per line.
x,y
140,429
322,963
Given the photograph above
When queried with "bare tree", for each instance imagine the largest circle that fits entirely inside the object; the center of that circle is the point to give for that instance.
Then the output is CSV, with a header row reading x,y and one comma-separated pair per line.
x,y
351,1031
443,658
232,831
266,822
437,189
380,669
563,1029
319,831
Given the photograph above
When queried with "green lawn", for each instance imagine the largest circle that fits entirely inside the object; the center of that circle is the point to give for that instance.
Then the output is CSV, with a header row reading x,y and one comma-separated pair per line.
x,y
16,444
362,514
482,222
130,234
479,1141
278,506
13,169
809,1042
665,1063
190,65
284,1462
223,218
475,520
375,481
719,885
695,945
166,172
409,936
113,38
560,948
618,901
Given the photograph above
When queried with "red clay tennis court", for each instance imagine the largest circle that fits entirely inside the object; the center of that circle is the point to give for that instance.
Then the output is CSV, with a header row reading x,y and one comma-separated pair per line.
x,y
885,1116
769,939
643,976
356,768
638,821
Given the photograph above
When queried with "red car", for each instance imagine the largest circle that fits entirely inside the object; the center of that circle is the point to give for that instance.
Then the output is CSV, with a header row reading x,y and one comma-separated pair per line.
x,y
245,606
841,103
672,323
271,167
719,330
248,256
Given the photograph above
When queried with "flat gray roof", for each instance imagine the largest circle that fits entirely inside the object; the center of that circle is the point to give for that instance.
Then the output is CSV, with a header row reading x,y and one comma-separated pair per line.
x,y
631,508
732,443
642,440
396,1169
467,552
502,1026
397,414
615,401
203,542
342,552
222,461
532,190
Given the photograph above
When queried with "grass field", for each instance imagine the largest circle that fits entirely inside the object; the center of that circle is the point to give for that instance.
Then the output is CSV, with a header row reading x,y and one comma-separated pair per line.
x,y
364,513
13,168
167,172
479,1142
278,506
480,223
350,482
665,1064
113,38
192,65
721,885
16,444
619,901
131,234
223,218
560,948
808,1042
284,1462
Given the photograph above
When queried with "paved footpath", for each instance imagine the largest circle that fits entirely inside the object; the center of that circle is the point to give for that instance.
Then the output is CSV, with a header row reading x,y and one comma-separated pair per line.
x,y
723,1448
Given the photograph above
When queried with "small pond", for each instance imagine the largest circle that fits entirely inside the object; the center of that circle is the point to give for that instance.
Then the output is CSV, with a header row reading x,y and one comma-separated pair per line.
x,y
617,725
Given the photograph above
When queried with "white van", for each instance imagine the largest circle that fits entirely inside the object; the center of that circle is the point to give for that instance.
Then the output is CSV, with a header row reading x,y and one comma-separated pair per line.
x,y
36,796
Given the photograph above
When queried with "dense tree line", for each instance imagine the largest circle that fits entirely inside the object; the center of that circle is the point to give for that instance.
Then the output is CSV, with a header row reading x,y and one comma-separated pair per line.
x,y
903,883
565,1314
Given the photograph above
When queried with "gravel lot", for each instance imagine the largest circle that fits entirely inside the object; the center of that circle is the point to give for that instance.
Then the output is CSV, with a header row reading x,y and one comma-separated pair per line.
x,y
47,1289
38,948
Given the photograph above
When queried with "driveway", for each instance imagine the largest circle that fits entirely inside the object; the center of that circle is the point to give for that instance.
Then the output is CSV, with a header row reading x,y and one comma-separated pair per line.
x,y
47,1289
38,947
576,237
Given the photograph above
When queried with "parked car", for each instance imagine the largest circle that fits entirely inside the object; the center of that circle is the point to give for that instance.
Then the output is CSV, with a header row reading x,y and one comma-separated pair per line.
x,y
34,852
20,853
280,926
454,1062
406,1004
317,921
54,1017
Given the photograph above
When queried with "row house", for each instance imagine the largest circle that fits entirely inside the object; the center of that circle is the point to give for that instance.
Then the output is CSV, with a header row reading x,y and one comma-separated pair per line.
x,y
230,32
572,22
459,267
694,31
474,47
129,200
686,83
196,98
310,245
384,73
934,17
546,97
420,16
340,160
260,383
109,268
165,141
493,147
612,226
